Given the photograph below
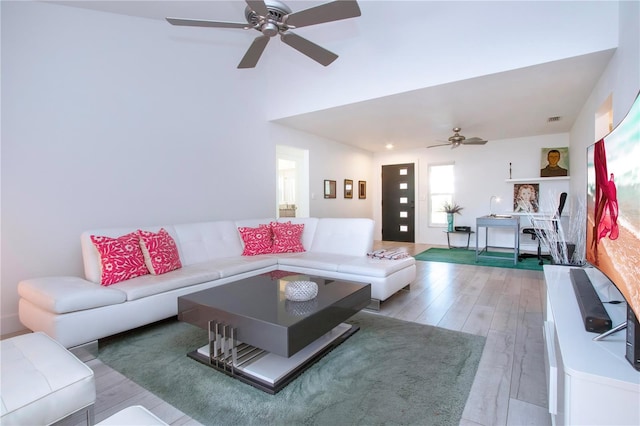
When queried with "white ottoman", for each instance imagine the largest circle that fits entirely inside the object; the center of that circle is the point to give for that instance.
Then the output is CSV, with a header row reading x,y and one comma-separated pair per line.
x,y
135,415
42,382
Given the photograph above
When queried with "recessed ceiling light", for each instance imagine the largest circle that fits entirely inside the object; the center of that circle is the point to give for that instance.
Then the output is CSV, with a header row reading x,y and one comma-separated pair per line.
x,y
389,146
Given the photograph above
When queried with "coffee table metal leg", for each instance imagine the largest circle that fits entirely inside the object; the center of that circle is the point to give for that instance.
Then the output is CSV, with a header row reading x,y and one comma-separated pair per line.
x,y
234,349
226,343
226,353
214,343
222,346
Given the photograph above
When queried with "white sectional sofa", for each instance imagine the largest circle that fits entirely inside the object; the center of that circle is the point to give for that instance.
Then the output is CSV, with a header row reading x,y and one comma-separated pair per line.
x,y
78,311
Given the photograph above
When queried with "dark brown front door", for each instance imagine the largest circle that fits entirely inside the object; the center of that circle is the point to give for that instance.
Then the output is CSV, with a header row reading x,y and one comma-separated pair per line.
x,y
398,203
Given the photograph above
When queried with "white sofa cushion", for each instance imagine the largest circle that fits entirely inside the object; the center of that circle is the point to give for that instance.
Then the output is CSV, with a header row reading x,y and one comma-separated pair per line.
x,y
68,294
135,415
205,241
321,261
369,267
356,265
352,237
42,382
148,285
229,267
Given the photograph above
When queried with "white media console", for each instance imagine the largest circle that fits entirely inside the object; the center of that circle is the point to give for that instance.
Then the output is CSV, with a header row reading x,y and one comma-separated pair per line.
x,y
589,382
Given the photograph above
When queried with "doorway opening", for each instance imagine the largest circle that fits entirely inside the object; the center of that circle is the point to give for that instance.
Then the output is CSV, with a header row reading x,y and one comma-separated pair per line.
x,y
292,165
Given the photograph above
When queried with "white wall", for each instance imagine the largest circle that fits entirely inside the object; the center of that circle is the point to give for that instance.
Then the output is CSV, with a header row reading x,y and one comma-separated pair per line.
x,y
621,80
111,120
333,161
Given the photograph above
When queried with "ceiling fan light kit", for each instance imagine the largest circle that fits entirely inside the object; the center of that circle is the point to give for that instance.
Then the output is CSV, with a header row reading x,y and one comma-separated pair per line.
x,y
273,17
457,139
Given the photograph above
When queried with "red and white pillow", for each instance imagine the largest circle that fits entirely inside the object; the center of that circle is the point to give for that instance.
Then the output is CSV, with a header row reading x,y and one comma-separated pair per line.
x,y
160,251
256,240
120,258
287,237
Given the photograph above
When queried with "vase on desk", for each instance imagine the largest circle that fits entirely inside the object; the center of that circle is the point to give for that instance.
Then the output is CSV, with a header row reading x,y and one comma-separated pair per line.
x,y
450,222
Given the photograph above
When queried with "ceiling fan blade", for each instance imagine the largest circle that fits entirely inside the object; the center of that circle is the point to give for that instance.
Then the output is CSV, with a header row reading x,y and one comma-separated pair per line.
x,y
201,23
442,144
250,59
474,141
328,12
312,50
258,6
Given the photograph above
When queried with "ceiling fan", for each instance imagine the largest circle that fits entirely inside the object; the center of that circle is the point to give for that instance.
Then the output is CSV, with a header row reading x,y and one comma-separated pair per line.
x,y
457,139
273,17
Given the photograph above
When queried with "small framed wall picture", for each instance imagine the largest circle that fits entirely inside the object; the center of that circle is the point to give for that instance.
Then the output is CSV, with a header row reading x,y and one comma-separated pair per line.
x,y
329,189
348,188
362,189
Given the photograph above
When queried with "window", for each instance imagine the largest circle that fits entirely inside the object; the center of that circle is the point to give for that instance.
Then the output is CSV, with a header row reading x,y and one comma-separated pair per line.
x,y
440,192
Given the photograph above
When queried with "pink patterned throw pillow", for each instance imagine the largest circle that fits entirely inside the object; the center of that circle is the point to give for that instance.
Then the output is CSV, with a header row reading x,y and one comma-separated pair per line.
x,y
256,240
120,258
160,251
287,237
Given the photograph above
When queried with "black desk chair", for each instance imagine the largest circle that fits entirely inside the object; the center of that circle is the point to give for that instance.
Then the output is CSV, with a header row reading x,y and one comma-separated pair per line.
x,y
540,229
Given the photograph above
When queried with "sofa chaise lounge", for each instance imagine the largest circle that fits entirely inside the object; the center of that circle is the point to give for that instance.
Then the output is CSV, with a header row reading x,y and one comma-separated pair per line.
x,y
78,311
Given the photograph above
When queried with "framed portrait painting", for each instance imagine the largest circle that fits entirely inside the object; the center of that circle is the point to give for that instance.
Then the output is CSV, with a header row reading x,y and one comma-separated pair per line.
x,y
525,197
554,162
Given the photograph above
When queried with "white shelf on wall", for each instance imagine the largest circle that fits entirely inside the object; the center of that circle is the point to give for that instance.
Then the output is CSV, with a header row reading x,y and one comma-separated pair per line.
x,y
537,179
549,190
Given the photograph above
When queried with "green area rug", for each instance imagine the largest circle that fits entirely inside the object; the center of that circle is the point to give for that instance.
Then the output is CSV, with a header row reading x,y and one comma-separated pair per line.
x,y
389,372
468,257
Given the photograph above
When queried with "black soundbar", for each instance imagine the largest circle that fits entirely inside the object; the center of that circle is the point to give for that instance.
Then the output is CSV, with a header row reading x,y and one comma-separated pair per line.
x,y
595,317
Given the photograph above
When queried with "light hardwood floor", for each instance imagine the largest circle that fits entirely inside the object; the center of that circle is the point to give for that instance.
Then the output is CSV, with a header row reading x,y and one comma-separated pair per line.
x,y
504,305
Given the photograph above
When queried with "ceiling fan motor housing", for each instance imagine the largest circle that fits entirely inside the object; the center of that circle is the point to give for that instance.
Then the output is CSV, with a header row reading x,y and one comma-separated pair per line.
x,y
272,24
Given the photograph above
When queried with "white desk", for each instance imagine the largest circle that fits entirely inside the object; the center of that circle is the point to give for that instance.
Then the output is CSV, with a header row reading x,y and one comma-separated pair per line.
x,y
498,221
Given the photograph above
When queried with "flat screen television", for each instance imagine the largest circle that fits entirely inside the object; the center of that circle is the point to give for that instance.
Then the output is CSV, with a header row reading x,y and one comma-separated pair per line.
x,y
613,208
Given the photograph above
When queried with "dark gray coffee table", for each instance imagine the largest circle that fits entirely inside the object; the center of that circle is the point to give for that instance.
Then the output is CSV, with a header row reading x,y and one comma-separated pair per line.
x,y
259,337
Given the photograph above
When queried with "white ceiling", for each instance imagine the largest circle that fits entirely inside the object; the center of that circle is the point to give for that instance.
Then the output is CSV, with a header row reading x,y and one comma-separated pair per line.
x,y
505,105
